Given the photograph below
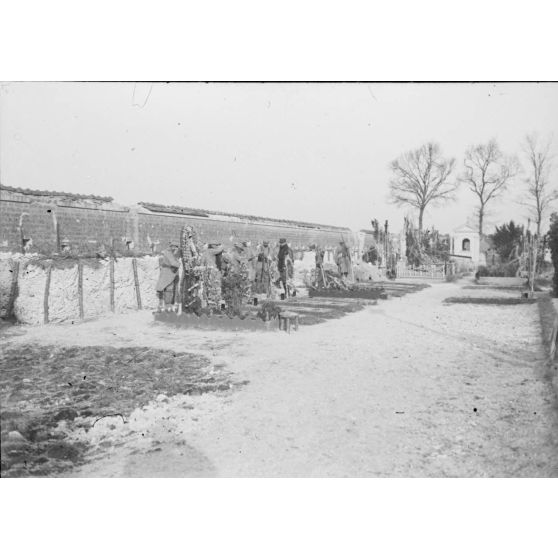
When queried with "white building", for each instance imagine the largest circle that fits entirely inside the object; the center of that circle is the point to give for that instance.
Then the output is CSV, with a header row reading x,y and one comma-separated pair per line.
x,y
466,245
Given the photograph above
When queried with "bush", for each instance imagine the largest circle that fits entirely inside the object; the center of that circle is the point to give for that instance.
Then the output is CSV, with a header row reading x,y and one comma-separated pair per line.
x,y
452,277
499,270
553,245
236,289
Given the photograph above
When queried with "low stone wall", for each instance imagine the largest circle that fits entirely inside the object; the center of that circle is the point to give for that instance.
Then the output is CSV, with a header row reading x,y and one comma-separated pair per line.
x,y
48,290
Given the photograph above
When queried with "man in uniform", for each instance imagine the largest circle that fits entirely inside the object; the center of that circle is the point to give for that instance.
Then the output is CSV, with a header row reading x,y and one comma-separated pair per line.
x,y
343,259
263,268
167,284
250,258
215,255
319,257
284,264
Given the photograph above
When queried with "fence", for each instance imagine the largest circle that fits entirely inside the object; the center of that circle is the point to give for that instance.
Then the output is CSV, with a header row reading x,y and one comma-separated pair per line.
x,y
437,271
36,290
50,291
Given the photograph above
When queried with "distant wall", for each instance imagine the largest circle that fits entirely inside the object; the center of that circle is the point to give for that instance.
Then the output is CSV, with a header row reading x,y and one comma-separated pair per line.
x,y
43,224
161,228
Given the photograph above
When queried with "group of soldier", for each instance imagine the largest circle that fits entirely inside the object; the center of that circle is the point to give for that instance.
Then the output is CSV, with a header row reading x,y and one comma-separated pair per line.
x,y
266,267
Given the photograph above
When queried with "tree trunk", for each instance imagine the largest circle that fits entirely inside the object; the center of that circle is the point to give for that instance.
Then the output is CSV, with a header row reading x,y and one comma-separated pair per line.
x,y
481,219
421,213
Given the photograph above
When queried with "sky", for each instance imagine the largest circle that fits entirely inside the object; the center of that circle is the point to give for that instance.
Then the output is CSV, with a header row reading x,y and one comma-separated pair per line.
x,y
313,152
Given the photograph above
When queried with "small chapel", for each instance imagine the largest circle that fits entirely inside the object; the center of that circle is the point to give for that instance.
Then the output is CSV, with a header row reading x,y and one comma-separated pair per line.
x,y
466,245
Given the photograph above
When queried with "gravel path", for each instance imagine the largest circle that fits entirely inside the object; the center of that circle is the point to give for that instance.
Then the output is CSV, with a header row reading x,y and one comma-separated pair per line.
x,y
410,387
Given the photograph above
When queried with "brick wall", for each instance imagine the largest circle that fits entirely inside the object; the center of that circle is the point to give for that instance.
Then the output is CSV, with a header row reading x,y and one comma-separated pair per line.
x,y
26,220
158,230
87,229
48,222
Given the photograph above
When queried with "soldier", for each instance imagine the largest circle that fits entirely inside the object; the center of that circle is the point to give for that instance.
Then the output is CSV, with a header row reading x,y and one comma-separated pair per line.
x,y
343,259
285,265
319,257
263,268
168,277
215,253
250,257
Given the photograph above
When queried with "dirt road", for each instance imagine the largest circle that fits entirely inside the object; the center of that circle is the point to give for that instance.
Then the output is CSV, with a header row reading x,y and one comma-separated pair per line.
x,y
410,387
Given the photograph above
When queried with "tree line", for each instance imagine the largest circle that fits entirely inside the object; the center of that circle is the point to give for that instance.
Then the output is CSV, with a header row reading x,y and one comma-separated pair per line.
x,y
424,177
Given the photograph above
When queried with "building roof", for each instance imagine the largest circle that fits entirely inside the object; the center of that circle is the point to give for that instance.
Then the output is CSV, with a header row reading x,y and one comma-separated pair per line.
x,y
54,194
465,227
158,208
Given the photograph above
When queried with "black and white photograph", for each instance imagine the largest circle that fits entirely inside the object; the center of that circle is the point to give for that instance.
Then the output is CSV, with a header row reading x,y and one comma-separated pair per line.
x,y
279,279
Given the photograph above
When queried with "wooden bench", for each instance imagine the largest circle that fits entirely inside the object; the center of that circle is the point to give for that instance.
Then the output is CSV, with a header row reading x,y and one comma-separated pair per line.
x,y
285,321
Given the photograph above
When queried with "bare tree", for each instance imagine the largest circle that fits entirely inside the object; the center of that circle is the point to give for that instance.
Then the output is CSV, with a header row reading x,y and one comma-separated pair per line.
x,y
539,166
488,173
421,178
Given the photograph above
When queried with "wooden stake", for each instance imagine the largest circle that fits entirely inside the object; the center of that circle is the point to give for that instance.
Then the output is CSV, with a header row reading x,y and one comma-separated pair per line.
x,y
111,272
136,282
553,337
13,290
47,290
80,289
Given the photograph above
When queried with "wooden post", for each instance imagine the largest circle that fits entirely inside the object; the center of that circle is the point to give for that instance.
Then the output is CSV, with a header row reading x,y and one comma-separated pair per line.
x,y
57,227
13,290
553,336
136,282
47,290
80,288
111,272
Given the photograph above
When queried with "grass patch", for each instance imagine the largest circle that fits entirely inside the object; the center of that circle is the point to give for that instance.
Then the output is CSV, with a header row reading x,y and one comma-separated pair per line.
x,y
488,287
489,300
43,385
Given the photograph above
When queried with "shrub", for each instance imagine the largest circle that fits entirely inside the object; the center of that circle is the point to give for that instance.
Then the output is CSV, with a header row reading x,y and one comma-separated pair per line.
x,y
553,245
452,277
499,270
236,288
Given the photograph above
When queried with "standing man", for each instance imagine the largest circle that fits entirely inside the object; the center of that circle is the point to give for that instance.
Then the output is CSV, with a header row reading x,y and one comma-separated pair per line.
x,y
168,277
283,261
263,269
320,273
215,255
343,259
250,257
